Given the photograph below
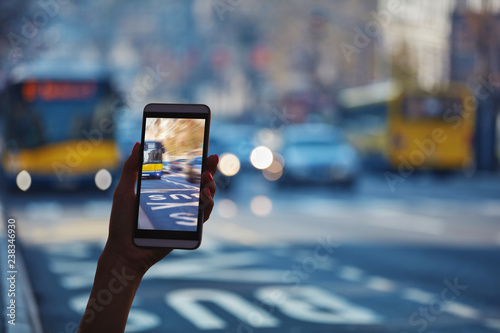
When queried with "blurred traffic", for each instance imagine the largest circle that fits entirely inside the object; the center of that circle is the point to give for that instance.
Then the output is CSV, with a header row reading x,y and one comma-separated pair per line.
x,y
386,112
360,123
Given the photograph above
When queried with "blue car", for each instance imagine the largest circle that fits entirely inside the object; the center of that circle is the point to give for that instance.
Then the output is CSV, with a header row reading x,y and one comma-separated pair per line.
x,y
318,154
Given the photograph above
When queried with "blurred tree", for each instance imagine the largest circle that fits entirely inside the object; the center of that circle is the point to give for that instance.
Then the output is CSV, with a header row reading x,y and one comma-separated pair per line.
x,y
403,69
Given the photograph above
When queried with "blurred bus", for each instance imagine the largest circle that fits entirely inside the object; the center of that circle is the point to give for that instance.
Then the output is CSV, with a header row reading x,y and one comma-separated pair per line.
x,y
58,129
152,166
409,128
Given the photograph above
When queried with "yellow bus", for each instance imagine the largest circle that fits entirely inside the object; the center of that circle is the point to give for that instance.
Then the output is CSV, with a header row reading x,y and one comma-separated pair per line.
x,y
408,128
432,130
152,166
58,130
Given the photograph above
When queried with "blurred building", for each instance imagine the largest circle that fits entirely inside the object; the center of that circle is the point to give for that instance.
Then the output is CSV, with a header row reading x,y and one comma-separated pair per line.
x,y
438,39
474,43
416,36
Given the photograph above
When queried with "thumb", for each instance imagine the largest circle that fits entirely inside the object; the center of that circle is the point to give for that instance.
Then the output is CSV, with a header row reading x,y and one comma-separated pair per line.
x,y
130,171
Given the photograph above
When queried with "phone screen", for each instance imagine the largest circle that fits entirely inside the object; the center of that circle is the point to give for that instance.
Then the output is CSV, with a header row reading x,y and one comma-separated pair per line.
x,y
169,189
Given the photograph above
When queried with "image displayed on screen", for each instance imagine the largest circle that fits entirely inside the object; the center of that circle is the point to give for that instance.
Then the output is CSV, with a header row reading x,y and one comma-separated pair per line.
x,y
171,172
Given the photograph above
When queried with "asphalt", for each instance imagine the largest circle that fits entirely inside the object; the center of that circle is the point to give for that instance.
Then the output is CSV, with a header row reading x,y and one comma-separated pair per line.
x,y
297,288
169,203
421,258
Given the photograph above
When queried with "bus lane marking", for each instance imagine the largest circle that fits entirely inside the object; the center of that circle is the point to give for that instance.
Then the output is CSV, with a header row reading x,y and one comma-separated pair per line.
x,y
166,205
176,196
164,190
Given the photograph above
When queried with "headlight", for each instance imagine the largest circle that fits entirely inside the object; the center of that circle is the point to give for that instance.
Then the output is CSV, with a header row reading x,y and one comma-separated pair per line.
x,y
23,180
103,179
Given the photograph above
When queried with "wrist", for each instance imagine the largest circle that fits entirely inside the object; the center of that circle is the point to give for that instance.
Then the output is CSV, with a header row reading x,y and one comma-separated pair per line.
x,y
115,285
119,264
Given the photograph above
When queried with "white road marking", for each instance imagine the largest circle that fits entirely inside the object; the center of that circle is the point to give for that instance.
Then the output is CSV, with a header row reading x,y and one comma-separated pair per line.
x,y
350,273
164,190
456,308
461,310
380,284
417,295
492,323
189,303
315,305
181,184
184,196
165,205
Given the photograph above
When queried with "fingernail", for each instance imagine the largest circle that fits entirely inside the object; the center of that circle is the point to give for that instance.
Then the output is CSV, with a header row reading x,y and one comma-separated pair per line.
x,y
134,146
217,158
210,175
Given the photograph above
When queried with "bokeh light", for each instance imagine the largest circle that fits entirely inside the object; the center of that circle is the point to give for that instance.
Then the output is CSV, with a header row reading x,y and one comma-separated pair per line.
x,y
261,205
227,208
229,164
261,157
275,170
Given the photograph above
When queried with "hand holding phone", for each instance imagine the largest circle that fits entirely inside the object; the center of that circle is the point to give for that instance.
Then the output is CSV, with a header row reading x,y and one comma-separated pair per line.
x,y
174,145
121,256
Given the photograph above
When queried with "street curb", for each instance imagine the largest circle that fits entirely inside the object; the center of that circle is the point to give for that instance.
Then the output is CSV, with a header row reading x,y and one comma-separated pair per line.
x,y
27,318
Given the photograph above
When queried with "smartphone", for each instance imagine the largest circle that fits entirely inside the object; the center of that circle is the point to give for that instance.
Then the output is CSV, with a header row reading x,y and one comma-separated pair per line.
x,y
174,153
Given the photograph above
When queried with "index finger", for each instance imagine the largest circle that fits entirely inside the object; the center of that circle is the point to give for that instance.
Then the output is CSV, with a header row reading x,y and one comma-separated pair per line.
x,y
130,170
212,162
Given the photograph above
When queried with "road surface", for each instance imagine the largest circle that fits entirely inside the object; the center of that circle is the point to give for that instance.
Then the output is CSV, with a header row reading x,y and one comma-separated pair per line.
x,y
169,203
423,258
